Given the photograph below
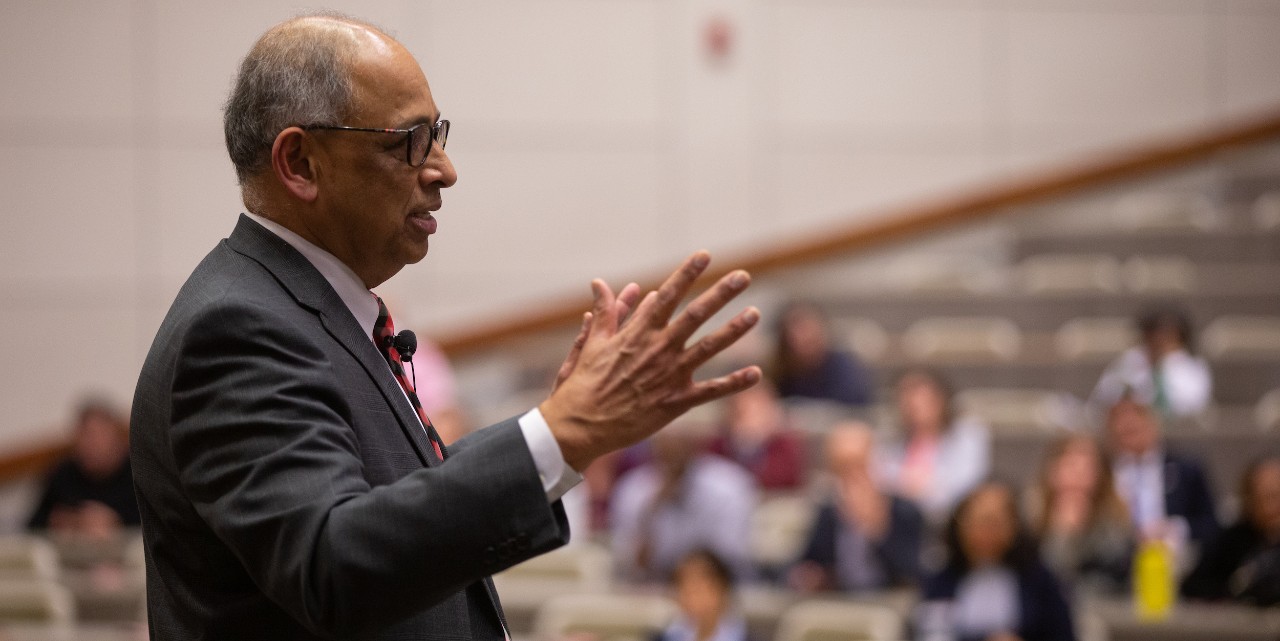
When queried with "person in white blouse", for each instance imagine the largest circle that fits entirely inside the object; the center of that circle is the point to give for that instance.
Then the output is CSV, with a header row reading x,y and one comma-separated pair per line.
x,y
940,455
1163,371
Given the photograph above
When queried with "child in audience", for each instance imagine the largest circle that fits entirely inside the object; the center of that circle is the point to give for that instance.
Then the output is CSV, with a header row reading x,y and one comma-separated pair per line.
x,y
704,590
862,538
1085,533
808,365
994,587
940,456
1243,563
1162,372
755,435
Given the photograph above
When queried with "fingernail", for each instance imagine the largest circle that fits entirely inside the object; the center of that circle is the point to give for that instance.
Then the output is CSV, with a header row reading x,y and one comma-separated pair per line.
x,y
739,279
752,316
701,260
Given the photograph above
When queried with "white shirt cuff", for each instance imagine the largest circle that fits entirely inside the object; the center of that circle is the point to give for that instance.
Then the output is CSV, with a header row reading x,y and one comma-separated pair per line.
x,y
556,475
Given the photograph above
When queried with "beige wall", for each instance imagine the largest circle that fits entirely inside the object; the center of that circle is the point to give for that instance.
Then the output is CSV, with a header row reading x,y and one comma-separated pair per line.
x,y
593,137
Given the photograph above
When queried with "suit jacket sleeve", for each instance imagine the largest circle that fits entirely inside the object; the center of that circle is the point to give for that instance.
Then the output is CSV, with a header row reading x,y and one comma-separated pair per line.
x,y
261,437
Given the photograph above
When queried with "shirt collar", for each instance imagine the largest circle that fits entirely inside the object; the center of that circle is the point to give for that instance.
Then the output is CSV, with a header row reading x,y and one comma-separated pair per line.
x,y
358,299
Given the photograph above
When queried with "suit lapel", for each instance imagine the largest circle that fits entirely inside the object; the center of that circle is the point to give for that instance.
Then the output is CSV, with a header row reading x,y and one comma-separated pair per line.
x,y
305,283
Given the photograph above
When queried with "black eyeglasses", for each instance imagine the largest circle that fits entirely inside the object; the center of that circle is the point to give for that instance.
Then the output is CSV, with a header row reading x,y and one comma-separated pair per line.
x,y
417,143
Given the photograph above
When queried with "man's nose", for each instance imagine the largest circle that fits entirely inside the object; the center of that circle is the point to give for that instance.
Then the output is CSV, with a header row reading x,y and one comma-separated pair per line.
x,y
438,170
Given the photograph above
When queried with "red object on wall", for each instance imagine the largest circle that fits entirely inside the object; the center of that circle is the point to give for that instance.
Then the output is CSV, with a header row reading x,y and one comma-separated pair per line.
x,y
718,38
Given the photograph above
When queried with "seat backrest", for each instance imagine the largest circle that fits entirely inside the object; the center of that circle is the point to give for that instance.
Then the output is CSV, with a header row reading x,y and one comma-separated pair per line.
x,y
1160,275
1017,410
1094,339
1267,412
1069,273
1243,338
962,338
779,527
24,557
36,601
839,621
609,617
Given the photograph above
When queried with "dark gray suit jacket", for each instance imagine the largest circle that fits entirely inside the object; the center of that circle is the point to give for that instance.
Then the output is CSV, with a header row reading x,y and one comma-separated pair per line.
x,y
286,487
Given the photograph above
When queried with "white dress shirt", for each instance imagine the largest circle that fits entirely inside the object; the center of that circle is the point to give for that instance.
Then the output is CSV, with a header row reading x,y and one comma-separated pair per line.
x,y
556,475
1186,379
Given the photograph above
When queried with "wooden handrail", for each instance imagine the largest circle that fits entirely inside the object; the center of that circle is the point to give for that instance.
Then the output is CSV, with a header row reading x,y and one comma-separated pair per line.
x,y
910,221
32,459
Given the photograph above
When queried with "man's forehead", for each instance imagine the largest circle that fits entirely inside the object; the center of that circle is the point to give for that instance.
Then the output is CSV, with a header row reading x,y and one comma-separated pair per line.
x,y
390,82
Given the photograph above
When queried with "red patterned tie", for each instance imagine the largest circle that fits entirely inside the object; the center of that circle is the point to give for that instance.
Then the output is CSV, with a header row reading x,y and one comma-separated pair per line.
x,y
383,331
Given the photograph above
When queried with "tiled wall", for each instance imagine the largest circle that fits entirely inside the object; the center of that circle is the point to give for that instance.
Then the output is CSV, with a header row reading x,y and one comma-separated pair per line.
x,y
593,138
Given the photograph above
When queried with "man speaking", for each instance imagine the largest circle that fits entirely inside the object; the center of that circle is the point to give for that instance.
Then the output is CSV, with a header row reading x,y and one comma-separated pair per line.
x,y
290,485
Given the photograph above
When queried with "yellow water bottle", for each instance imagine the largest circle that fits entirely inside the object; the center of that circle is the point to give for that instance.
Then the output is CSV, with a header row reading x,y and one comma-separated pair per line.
x,y
1154,581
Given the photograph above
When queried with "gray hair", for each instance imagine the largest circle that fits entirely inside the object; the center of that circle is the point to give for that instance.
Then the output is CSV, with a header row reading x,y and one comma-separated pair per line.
x,y
297,73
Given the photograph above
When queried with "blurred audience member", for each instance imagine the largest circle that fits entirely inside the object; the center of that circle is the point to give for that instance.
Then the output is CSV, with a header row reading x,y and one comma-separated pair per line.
x,y
682,500
1167,495
1084,528
755,434
862,539
90,494
808,365
994,587
1243,563
704,590
1163,371
941,456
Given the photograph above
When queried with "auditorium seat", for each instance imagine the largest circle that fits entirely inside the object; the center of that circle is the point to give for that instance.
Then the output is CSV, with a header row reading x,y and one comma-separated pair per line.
x,y
573,569
1014,410
839,621
1266,211
610,617
1246,338
964,339
1166,275
1145,211
865,337
36,601
28,558
1058,274
1094,339
816,416
779,527
1267,412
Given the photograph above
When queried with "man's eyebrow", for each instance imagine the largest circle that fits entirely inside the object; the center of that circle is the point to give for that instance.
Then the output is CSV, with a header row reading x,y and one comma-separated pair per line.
x,y
420,121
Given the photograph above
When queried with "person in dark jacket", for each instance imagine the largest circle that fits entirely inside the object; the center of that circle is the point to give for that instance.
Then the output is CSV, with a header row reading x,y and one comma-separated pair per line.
x,y
1243,563
862,539
1167,494
994,586
808,364
90,493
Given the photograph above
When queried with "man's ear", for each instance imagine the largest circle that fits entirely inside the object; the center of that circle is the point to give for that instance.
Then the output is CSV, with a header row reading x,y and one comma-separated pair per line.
x,y
293,165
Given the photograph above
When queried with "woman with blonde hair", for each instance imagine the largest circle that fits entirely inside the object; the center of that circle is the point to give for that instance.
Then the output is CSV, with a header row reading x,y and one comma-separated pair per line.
x,y
1083,526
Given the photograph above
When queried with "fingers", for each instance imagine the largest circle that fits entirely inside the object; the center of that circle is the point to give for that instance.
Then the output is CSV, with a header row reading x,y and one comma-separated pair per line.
x,y
707,304
604,310
658,306
720,387
715,342
626,302
571,361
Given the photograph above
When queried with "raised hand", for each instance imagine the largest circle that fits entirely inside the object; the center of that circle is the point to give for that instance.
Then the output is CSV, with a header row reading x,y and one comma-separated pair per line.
x,y
629,375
